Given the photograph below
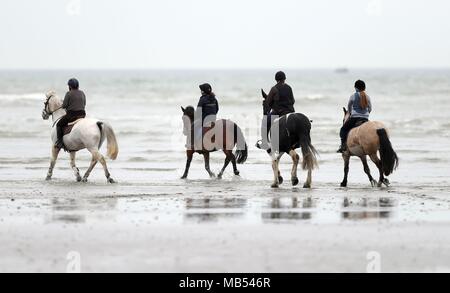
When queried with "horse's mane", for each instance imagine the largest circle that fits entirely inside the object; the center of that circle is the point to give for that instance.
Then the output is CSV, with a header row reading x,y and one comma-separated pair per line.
x,y
50,93
190,112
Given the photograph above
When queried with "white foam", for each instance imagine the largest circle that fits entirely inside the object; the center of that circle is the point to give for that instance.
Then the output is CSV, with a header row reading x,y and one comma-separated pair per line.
x,y
28,96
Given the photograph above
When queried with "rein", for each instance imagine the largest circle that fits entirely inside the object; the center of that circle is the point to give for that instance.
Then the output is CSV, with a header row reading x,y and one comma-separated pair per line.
x,y
46,106
57,120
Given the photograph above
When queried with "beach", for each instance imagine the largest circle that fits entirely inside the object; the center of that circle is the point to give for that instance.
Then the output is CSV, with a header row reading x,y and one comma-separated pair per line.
x,y
152,221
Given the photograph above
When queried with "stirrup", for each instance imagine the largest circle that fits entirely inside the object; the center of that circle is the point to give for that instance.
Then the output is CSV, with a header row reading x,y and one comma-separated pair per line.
x,y
260,144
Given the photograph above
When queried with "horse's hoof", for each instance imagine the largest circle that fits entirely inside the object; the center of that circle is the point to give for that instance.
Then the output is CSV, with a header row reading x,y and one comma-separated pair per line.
x,y
373,183
306,185
344,184
110,180
386,182
48,178
275,185
280,179
237,173
295,181
212,175
219,176
84,180
79,179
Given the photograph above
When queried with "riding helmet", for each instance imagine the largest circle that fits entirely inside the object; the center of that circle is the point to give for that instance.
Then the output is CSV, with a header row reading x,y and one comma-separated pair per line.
x,y
280,76
73,83
360,85
206,88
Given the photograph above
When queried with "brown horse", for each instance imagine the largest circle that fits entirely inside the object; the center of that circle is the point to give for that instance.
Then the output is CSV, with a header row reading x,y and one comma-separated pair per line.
x,y
367,140
225,135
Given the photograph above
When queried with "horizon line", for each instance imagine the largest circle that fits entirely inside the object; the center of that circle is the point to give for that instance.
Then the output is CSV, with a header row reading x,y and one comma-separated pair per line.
x,y
227,69
349,69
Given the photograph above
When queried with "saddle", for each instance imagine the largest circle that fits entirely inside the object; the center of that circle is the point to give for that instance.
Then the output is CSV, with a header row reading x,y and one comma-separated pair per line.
x,y
359,123
68,129
205,131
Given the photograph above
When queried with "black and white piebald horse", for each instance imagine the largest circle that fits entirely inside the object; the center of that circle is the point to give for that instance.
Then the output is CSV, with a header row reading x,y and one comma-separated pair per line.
x,y
287,134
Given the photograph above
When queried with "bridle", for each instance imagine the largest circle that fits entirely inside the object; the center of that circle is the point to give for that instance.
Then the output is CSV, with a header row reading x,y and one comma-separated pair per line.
x,y
46,103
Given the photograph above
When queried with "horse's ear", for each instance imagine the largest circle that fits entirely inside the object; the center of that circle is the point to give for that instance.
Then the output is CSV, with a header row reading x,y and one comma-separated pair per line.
x,y
345,110
264,95
183,109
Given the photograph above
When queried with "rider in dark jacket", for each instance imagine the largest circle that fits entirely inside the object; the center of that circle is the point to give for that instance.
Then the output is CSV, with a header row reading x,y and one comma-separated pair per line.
x,y
208,102
281,102
74,104
281,98
208,107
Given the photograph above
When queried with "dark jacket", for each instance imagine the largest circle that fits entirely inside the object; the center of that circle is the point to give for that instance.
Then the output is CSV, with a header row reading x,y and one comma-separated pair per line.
x,y
74,101
281,99
209,106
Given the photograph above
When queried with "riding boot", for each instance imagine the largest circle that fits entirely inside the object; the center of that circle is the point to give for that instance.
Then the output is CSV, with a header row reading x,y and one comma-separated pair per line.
x,y
342,148
59,142
263,144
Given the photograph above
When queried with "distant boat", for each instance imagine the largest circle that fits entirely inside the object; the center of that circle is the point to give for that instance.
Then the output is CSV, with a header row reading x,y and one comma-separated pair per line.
x,y
342,70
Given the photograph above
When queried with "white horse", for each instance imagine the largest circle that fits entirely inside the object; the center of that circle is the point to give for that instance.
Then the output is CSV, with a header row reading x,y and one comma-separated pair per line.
x,y
87,134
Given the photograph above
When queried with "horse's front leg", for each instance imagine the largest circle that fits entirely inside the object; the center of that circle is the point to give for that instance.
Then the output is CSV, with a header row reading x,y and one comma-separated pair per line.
x,y
276,171
55,152
295,159
207,168
76,171
189,155
346,169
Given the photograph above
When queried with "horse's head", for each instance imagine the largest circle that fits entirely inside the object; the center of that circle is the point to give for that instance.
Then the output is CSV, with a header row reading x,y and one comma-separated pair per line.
x,y
51,104
346,115
266,107
188,118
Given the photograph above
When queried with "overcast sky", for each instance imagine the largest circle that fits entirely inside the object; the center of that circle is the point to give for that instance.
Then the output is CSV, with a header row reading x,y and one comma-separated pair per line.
x,y
191,34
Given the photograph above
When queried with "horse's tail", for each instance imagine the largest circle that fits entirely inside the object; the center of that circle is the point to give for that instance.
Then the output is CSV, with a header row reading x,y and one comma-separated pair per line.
x,y
242,148
389,159
309,153
112,146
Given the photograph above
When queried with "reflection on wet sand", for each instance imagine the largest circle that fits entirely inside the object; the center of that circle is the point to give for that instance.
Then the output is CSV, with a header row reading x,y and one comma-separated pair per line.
x,y
72,210
368,208
281,209
211,210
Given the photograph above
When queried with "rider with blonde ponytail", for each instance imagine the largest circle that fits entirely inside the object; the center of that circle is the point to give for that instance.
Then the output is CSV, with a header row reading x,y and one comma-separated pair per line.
x,y
359,107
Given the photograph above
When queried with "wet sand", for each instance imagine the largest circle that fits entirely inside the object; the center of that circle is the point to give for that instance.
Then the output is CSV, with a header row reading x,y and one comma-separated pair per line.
x,y
234,225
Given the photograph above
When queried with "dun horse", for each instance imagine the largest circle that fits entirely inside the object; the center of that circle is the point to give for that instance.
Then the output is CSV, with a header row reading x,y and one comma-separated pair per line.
x,y
367,140
86,134
224,136
287,134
